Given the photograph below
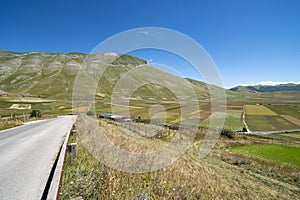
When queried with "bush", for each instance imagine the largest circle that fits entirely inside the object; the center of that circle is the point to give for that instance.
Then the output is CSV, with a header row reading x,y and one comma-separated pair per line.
x,y
36,113
227,133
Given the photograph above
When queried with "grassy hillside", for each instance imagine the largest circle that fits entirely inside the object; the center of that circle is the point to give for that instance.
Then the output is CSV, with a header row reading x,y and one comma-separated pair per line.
x,y
51,75
48,75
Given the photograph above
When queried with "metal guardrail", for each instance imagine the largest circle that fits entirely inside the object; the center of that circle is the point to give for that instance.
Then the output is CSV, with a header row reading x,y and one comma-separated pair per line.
x,y
54,188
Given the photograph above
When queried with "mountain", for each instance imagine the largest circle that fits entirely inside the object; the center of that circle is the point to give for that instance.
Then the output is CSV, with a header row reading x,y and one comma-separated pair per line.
x,y
52,75
267,88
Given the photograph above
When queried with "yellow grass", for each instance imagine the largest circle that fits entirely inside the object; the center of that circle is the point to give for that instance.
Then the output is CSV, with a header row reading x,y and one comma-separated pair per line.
x,y
258,110
6,124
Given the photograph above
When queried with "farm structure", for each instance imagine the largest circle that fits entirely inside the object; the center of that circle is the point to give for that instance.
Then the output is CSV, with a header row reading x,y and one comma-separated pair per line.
x,y
114,117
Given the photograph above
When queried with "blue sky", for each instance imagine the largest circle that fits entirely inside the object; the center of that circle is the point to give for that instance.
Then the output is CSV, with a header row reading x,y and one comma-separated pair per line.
x,y
249,40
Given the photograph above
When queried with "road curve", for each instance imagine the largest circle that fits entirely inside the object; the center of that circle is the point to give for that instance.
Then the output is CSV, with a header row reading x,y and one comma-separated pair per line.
x,y
27,154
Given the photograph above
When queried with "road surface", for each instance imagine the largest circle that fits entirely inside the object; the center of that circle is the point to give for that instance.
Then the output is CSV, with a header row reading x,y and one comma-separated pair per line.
x,y
273,132
27,154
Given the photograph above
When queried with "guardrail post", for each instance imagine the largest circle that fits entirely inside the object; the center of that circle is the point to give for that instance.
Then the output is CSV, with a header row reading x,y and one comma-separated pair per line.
x,y
73,151
74,132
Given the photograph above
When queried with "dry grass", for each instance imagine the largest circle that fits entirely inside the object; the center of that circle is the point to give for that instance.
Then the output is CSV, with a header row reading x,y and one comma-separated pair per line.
x,y
187,178
6,124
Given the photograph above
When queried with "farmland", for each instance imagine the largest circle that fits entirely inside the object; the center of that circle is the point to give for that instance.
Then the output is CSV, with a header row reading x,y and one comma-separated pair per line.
x,y
232,119
258,117
291,119
289,112
261,118
268,123
258,110
292,110
168,111
281,154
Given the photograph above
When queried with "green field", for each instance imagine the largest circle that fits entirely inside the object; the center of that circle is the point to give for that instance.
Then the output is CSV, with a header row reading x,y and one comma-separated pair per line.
x,y
293,135
232,120
292,110
268,123
258,110
281,154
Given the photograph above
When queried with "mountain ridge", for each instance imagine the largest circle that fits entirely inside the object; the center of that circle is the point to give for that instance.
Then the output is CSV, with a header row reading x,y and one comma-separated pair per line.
x,y
267,88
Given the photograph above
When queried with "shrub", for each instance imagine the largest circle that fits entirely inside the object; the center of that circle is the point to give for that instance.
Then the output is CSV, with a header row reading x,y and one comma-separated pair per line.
x,y
227,133
36,113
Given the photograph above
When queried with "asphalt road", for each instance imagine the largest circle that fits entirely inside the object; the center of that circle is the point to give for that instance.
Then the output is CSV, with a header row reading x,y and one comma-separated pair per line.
x,y
27,154
273,132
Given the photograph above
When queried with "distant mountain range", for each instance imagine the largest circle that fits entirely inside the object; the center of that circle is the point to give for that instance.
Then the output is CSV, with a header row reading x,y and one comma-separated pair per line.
x,y
267,88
